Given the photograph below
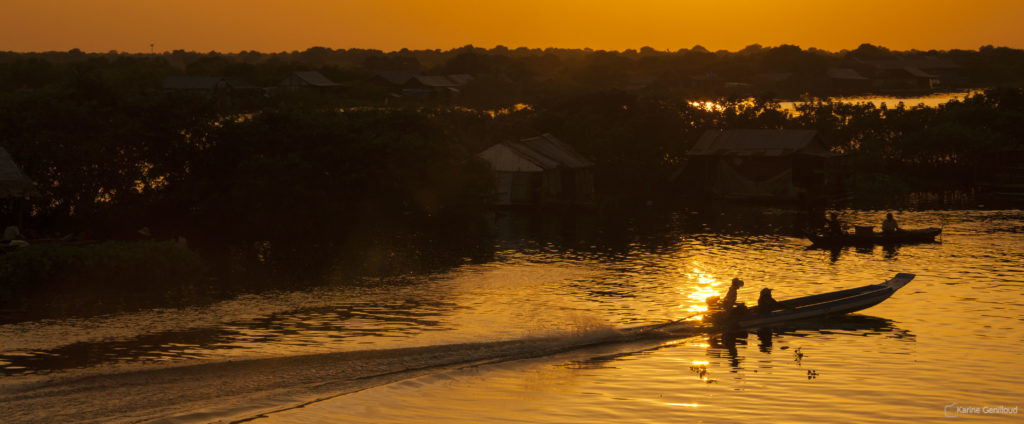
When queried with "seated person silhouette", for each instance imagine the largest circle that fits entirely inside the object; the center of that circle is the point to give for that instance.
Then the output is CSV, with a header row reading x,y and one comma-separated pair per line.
x,y
766,303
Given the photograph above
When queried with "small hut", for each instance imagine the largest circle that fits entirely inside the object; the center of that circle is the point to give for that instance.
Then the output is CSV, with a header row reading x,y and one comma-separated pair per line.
x,y
540,170
13,184
14,189
309,80
762,165
848,80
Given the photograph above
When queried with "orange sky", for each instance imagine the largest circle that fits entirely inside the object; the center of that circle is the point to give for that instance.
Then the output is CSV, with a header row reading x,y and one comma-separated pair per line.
x,y
277,25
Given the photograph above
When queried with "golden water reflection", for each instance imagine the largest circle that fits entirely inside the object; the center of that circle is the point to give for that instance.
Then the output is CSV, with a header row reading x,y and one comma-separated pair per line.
x,y
928,100
699,293
951,335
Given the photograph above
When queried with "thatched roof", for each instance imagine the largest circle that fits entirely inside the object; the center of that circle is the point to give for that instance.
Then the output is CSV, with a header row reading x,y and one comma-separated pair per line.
x,y
12,182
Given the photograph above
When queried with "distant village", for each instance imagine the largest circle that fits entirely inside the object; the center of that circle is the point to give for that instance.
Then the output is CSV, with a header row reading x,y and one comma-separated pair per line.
x,y
856,76
573,127
284,161
772,165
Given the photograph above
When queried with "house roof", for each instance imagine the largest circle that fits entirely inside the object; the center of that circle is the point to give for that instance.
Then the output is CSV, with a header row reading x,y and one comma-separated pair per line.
x,y
534,154
844,74
439,81
918,73
759,143
12,182
461,79
312,78
193,82
550,146
396,77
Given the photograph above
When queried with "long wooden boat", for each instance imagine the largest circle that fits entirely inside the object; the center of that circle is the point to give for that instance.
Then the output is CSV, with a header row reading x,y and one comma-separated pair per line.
x,y
923,235
814,306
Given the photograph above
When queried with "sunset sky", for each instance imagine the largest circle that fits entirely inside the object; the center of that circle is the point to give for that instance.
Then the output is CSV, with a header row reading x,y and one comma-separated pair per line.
x,y
271,26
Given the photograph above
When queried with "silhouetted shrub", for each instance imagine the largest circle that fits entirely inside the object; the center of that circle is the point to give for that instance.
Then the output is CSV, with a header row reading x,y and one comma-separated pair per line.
x,y
98,277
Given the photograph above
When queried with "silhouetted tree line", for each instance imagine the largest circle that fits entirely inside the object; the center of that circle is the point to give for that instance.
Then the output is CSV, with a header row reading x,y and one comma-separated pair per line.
x,y
301,178
289,183
523,75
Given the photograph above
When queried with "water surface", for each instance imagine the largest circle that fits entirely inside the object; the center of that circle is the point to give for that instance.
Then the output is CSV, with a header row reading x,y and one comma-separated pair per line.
x,y
951,336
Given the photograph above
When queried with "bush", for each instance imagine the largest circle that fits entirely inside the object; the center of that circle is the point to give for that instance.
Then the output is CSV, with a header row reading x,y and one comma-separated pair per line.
x,y
98,277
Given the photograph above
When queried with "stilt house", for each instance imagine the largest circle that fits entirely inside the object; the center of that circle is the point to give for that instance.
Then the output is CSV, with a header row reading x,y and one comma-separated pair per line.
x,y
540,170
762,165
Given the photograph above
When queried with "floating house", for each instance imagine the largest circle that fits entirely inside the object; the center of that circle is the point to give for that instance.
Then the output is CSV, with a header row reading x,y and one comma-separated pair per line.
x,y
15,188
13,183
540,170
394,79
413,84
848,80
773,80
309,80
925,72
771,165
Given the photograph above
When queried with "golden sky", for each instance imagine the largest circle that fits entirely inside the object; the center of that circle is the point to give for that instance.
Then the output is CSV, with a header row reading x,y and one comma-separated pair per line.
x,y
279,25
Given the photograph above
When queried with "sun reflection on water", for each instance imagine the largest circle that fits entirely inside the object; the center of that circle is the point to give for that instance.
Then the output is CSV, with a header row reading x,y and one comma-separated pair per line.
x,y
704,288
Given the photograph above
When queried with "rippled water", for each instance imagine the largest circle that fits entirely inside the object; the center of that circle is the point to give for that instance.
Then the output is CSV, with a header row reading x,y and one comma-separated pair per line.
x,y
952,336
928,100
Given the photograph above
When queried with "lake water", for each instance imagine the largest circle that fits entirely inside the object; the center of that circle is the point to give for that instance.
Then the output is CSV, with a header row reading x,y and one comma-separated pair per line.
x,y
952,336
927,100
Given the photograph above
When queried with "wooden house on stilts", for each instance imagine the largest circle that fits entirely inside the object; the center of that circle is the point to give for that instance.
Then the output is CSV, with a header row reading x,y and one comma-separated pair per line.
x,y
770,165
540,170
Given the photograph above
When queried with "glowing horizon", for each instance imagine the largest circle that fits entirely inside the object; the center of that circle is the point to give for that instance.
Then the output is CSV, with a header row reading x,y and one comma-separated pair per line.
x,y
268,26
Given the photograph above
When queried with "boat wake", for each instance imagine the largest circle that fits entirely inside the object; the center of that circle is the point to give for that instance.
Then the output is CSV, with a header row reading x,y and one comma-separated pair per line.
x,y
234,391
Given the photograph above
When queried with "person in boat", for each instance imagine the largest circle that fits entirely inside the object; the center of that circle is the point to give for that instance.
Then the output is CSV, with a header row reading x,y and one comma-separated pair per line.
x,y
729,303
730,296
889,226
833,225
766,303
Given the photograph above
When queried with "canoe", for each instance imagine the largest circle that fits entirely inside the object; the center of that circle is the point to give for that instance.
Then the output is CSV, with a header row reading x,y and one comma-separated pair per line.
x,y
923,235
815,306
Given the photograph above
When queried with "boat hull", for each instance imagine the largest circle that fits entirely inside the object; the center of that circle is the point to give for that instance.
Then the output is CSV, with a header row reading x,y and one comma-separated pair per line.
x,y
924,235
816,306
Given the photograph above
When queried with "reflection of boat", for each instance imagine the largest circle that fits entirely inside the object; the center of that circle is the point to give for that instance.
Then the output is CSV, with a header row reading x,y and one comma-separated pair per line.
x,y
923,235
814,306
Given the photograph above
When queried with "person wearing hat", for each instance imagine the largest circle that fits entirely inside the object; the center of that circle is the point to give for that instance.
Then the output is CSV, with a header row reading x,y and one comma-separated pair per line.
x,y
730,297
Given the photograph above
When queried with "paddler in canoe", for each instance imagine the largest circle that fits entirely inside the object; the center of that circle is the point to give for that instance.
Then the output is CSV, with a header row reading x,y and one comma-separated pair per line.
x,y
889,226
833,225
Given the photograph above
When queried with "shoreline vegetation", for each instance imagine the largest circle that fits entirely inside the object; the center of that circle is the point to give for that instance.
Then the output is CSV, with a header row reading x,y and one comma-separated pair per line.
x,y
277,178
